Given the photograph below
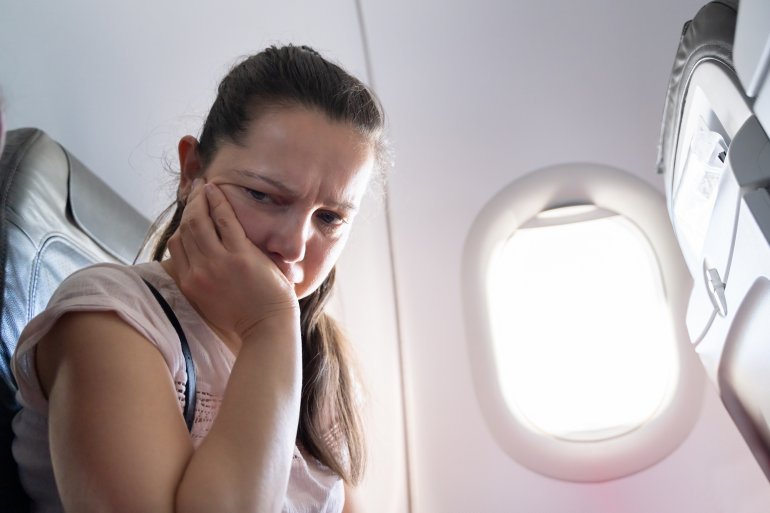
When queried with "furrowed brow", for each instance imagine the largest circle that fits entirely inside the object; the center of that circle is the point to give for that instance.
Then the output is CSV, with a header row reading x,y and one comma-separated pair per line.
x,y
343,205
288,191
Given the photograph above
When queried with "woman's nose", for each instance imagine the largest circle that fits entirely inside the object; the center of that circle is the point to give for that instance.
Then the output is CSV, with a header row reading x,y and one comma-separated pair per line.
x,y
289,237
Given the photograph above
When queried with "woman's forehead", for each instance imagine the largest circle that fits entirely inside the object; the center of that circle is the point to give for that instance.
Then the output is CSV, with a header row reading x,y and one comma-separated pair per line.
x,y
295,149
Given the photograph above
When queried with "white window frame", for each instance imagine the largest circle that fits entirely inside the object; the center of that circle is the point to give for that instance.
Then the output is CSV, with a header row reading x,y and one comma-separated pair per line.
x,y
617,191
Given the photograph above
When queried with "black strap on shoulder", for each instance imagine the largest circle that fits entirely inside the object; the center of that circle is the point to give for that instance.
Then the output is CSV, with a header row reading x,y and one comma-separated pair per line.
x,y
189,389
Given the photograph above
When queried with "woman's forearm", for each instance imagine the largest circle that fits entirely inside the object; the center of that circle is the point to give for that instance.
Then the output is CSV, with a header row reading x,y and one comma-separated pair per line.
x,y
243,464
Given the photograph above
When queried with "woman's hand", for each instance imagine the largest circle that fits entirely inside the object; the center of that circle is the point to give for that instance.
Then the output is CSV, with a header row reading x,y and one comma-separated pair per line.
x,y
232,283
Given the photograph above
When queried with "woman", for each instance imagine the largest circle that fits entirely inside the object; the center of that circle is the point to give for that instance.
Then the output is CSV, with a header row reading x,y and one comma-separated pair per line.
x,y
265,204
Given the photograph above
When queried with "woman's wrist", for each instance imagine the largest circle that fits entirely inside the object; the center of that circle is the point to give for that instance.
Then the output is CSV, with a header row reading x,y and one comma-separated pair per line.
x,y
281,323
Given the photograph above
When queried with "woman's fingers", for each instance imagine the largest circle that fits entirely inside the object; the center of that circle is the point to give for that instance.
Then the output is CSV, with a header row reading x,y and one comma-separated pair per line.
x,y
178,255
197,230
221,212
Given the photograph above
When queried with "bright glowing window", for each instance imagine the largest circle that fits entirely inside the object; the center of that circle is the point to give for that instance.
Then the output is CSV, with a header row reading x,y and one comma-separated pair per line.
x,y
582,342
575,321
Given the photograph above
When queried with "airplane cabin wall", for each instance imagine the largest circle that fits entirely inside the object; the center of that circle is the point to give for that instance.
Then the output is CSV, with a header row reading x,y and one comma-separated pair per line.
x,y
479,94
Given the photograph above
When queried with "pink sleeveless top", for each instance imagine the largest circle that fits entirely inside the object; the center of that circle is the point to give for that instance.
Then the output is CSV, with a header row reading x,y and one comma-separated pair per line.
x,y
109,287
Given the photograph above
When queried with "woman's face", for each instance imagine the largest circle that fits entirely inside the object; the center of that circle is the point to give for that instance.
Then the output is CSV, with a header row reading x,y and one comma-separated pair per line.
x,y
295,185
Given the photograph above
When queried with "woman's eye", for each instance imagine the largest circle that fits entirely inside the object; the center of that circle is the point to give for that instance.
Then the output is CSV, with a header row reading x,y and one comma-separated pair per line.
x,y
330,219
259,196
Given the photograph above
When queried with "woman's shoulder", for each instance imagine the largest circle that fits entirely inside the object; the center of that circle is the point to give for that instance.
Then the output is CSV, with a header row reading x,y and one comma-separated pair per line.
x,y
110,284
98,288
101,288
101,277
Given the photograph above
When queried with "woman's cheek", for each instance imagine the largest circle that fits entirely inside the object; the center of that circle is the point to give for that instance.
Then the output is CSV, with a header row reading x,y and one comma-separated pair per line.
x,y
242,212
251,225
330,255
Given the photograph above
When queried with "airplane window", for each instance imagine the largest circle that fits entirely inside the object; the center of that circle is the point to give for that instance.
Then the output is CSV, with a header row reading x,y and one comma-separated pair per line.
x,y
583,348
575,294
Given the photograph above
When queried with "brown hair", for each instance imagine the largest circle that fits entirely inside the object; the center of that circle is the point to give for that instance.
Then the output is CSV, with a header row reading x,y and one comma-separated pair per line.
x,y
330,427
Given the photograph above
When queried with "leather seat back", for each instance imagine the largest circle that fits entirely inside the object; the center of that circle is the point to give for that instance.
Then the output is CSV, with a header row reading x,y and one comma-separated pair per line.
x,y
57,217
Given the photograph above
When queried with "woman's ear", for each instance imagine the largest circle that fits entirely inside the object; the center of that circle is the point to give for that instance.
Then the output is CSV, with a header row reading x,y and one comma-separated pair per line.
x,y
190,165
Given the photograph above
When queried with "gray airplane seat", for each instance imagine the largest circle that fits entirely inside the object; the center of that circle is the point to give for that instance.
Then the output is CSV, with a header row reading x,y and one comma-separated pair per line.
x,y
57,217
715,156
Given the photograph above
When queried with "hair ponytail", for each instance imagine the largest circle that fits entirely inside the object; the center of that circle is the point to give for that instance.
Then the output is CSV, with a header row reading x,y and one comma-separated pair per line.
x,y
330,426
